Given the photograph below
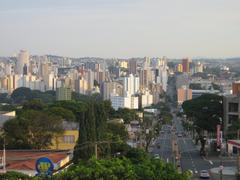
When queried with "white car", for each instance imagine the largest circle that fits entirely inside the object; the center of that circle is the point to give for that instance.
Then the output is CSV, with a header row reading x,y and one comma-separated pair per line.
x,y
204,174
156,156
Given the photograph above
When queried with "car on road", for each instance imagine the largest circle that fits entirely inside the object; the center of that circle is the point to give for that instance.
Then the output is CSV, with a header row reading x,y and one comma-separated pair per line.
x,y
204,174
179,135
156,156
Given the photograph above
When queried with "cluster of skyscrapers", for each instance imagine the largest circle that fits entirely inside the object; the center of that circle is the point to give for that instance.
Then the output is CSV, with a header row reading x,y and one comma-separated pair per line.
x,y
131,83
140,86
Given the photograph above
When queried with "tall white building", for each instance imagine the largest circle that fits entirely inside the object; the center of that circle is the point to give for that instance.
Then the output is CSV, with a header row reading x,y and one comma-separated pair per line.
x,y
161,73
131,84
22,66
146,99
128,101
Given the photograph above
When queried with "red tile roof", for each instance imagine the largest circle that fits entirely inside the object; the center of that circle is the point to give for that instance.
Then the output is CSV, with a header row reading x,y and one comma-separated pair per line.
x,y
26,160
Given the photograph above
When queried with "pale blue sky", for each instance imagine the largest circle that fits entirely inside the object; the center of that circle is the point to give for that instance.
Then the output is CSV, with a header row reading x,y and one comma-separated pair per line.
x,y
121,28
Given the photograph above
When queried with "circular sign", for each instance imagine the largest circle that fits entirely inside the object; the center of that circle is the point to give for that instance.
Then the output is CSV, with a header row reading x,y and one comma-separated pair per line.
x,y
44,166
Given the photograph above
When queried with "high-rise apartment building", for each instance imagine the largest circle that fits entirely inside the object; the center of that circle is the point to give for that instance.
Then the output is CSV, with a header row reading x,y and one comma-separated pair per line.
x,y
179,68
146,99
132,66
236,88
131,84
145,76
146,62
183,94
22,62
63,94
106,89
199,67
123,64
81,86
186,65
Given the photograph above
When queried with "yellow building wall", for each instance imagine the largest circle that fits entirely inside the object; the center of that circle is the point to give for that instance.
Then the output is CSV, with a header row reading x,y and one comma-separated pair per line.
x,y
66,141
123,64
180,68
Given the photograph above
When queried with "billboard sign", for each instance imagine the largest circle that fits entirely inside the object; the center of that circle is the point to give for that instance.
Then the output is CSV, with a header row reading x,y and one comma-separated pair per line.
x,y
44,166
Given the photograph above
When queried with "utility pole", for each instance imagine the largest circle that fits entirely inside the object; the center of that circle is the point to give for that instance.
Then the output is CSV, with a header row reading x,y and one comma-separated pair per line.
x,y
221,164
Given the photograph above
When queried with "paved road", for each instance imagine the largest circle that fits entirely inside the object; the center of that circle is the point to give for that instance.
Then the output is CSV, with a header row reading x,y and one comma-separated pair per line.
x,y
162,145
190,158
189,153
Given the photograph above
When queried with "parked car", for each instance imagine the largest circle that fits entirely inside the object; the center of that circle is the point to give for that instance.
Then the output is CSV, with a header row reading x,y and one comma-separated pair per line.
x,y
156,156
204,174
179,135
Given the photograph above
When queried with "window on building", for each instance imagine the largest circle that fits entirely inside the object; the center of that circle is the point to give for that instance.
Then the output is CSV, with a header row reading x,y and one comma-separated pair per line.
x,y
233,107
232,118
68,139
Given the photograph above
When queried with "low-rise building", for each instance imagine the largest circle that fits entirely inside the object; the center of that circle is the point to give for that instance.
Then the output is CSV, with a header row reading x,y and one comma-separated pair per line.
x,y
231,110
24,161
197,93
68,139
183,94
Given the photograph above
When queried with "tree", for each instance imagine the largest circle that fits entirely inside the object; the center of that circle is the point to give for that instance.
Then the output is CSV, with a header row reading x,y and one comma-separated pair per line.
x,y
11,175
32,130
66,114
205,110
4,98
87,129
118,129
125,113
137,164
21,94
233,130
34,104
195,86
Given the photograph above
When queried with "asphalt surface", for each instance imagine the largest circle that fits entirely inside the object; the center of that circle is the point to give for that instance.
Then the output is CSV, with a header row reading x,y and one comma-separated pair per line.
x,y
189,154
190,157
162,145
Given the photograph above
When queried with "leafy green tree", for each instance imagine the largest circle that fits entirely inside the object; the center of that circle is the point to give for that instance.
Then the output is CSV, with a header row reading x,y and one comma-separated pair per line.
x,y
32,130
87,129
125,113
205,110
12,175
21,94
195,86
4,98
34,104
118,129
66,114
137,165
233,130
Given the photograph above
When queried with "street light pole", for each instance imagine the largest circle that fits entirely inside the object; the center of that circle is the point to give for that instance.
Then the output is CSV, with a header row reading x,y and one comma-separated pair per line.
x,y
221,163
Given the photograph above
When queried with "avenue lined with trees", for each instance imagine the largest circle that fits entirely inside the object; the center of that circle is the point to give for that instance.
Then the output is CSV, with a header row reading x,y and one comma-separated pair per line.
x,y
38,121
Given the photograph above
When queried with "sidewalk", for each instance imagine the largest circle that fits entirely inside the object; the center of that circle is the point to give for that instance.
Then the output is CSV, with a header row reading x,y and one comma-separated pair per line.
x,y
214,157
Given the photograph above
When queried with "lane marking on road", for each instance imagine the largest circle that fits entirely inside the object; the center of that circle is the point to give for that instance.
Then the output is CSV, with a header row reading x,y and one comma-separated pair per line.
x,y
164,142
210,162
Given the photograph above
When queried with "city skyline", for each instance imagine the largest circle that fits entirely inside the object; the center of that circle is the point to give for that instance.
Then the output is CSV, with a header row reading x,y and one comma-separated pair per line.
x,y
104,28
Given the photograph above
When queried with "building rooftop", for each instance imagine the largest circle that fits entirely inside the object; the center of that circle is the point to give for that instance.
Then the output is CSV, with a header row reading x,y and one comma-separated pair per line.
x,y
26,159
